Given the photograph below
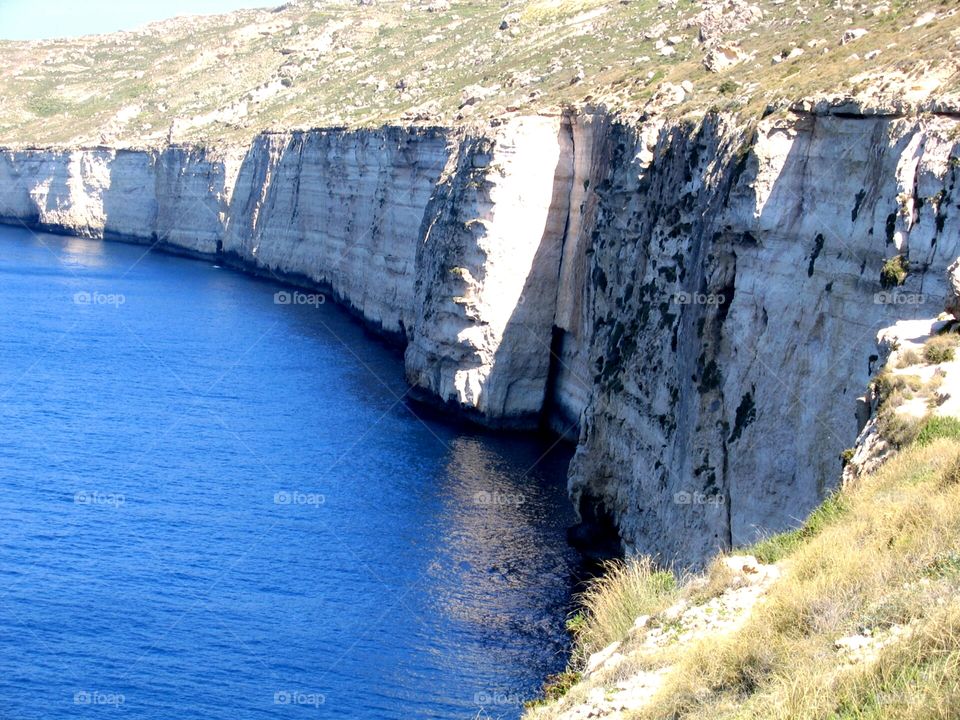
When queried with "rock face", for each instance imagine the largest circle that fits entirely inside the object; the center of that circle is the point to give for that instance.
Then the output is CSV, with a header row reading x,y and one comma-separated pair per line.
x,y
489,263
735,303
952,305
342,210
694,302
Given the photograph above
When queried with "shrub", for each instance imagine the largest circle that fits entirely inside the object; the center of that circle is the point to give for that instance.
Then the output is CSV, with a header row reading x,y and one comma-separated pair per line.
x,y
728,87
937,427
556,686
894,271
940,349
898,430
890,387
908,358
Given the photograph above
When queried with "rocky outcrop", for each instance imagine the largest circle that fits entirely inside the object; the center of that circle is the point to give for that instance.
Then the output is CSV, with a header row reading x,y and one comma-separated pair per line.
x,y
695,302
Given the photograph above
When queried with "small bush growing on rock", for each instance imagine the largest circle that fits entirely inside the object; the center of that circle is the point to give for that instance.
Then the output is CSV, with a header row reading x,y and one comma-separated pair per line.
x,y
892,388
576,623
556,686
728,87
898,430
908,358
894,271
846,456
940,349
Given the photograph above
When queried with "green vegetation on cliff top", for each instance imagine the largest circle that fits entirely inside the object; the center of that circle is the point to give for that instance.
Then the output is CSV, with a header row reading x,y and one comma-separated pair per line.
x,y
331,63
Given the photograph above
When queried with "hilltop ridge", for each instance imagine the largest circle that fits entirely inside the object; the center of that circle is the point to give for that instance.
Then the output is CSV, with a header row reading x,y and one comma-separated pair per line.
x,y
224,78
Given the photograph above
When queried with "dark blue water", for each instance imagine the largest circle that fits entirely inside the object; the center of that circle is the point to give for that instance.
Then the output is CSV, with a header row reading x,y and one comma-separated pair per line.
x,y
216,506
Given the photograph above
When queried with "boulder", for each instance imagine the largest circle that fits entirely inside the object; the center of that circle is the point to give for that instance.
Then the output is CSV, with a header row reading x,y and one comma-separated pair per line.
x,y
601,656
509,21
667,95
723,56
721,18
852,35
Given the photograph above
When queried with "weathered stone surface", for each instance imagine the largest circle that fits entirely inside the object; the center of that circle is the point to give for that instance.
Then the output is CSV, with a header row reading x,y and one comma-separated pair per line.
x,y
726,16
952,304
734,302
488,269
723,56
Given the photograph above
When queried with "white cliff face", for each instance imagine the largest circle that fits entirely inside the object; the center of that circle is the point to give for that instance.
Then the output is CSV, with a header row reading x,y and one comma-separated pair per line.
x,y
693,302
342,209
487,272
176,197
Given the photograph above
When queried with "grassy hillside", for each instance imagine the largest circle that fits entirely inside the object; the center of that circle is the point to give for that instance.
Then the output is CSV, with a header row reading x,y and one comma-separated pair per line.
x,y
330,62
861,619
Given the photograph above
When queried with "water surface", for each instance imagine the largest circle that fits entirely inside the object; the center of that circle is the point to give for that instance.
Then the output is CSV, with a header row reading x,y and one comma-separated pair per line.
x,y
218,506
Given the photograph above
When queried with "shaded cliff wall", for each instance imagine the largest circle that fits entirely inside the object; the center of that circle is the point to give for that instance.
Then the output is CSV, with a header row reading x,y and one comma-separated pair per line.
x,y
342,209
734,303
693,301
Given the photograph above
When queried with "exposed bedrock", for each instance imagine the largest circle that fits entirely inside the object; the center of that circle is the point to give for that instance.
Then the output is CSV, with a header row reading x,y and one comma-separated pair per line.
x,y
734,305
694,302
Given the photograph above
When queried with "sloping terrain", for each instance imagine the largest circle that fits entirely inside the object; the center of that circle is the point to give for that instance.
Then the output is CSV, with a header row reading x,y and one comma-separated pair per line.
x,y
329,63
854,615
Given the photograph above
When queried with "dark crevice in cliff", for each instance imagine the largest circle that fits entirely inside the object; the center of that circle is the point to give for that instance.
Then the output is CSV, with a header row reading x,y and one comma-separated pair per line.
x,y
551,406
596,536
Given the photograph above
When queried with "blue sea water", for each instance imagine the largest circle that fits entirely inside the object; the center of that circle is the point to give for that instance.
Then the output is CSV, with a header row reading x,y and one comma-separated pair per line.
x,y
214,505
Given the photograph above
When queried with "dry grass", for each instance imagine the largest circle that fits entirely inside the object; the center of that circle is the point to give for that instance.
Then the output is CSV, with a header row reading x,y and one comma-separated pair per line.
x,y
908,358
611,602
890,559
882,556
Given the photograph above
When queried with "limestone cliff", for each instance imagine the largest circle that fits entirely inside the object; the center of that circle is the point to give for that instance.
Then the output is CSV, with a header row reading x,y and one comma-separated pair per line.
x,y
694,301
735,299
